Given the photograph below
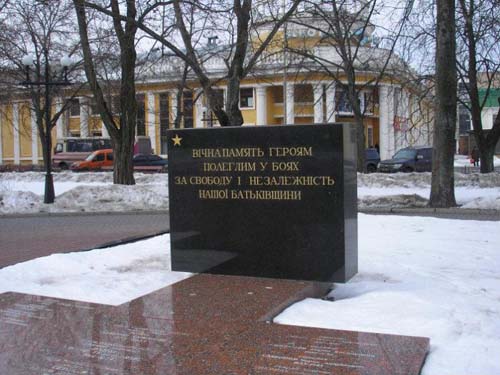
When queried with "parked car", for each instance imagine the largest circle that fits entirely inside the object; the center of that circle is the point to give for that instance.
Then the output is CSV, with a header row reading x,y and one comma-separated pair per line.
x,y
409,159
72,149
372,158
95,161
150,160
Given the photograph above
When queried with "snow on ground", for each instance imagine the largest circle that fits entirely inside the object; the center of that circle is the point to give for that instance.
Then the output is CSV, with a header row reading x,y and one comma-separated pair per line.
x,y
422,277
23,192
464,161
109,276
417,276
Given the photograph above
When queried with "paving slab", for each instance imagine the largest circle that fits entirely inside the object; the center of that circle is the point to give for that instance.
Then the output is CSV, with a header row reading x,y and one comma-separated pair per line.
x,y
207,324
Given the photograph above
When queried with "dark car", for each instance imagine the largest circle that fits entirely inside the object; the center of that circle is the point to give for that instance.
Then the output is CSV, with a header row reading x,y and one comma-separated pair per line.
x,y
151,160
372,158
410,159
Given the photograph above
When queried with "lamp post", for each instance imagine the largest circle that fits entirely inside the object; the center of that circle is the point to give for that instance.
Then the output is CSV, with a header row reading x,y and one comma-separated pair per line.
x,y
208,117
47,82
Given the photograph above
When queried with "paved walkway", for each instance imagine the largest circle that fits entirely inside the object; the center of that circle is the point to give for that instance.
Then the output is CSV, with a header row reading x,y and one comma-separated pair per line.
x,y
25,237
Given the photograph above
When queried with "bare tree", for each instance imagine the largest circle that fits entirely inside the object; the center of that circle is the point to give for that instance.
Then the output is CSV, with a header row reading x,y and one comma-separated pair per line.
x,y
232,22
44,33
345,51
121,131
478,61
443,183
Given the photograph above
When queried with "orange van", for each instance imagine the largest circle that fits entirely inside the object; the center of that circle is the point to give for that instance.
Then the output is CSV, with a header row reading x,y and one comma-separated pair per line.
x,y
95,161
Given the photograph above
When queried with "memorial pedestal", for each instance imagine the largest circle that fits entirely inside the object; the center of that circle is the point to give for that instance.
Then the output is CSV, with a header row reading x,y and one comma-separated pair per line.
x,y
202,325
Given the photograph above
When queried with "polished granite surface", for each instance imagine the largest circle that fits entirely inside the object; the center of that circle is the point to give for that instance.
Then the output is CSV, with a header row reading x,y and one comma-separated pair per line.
x,y
206,324
264,201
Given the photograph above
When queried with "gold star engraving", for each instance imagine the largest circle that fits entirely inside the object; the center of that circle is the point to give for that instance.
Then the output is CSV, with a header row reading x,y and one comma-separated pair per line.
x,y
177,140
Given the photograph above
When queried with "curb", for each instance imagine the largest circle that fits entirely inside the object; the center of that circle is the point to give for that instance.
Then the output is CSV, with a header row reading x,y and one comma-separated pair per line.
x,y
124,241
83,213
448,213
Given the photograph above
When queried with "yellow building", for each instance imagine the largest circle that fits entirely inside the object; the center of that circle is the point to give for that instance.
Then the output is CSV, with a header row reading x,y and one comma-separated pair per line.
x,y
279,91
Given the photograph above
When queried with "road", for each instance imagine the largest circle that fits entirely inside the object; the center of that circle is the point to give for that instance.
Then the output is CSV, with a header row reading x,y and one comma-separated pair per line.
x,y
27,237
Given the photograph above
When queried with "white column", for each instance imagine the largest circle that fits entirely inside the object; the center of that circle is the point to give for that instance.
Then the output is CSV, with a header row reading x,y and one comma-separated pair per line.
x,y
2,111
60,121
15,128
290,104
199,111
330,103
318,103
84,117
150,97
173,107
104,131
386,119
34,138
261,105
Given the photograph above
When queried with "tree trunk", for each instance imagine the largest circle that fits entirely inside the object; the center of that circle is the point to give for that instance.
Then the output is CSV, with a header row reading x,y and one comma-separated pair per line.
x,y
360,139
486,156
233,103
123,154
443,184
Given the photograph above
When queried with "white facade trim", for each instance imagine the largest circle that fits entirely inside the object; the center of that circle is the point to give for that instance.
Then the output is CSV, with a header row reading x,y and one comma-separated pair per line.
x,y
150,97
330,103
15,128
172,113
261,104
198,123
84,117
290,104
34,138
60,124
318,103
386,118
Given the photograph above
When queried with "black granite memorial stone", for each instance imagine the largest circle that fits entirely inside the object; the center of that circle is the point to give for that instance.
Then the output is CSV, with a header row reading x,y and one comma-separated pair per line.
x,y
268,201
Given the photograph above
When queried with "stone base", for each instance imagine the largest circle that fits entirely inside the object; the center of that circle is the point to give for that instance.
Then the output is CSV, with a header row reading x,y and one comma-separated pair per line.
x,y
206,324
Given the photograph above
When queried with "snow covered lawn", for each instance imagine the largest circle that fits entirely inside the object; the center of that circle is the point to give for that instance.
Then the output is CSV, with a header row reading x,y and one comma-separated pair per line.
x,y
429,277
23,192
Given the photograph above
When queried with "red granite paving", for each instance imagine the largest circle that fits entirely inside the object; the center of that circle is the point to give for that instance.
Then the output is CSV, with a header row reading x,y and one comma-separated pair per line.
x,y
203,325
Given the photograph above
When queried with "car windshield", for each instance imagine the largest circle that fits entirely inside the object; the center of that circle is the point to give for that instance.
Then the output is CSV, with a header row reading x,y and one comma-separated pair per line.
x,y
90,157
405,154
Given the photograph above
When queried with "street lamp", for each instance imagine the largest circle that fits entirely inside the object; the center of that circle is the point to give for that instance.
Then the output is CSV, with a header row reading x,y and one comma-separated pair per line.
x,y
208,117
47,81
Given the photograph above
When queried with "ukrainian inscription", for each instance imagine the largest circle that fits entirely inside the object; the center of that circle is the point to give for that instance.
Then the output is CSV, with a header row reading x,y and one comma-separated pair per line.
x,y
244,183
233,188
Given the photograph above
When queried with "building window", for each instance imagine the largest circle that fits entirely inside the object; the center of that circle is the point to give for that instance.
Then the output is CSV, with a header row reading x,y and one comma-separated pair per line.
x,y
369,100
303,94
164,123
187,111
93,109
74,107
369,135
219,98
141,114
342,103
246,98
277,94
397,101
